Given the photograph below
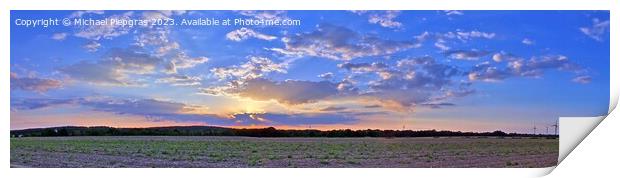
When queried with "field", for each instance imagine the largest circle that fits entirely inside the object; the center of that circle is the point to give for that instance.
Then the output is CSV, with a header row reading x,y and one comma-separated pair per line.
x,y
181,151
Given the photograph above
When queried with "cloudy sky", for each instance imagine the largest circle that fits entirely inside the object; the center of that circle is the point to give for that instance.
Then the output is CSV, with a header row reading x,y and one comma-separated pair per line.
x,y
455,70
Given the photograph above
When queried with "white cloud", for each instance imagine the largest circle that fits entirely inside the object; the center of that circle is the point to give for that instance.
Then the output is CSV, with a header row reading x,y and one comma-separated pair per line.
x,y
264,15
157,38
59,36
105,31
326,76
468,35
453,12
410,83
444,40
583,79
518,67
536,65
182,61
33,83
527,41
115,68
245,33
488,73
256,67
163,14
597,30
503,56
441,44
364,67
287,92
78,14
92,46
385,19
180,80
339,43
466,54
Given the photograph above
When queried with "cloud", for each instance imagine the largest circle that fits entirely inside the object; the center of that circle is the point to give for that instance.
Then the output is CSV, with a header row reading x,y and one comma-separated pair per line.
x,y
527,41
288,92
180,80
245,33
334,108
503,56
326,76
442,40
158,40
105,31
92,46
152,109
162,14
437,105
161,110
114,68
597,30
144,107
519,67
339,43
468,35
535,66
401,100
97,72
372,106
453,12
59,36
121,67
364,67
182,61
385,19
583,79
35,84
31,103
264,15
255,67
79,14
441,44
486,72
156,36
466,54
292,119
237,76
410,82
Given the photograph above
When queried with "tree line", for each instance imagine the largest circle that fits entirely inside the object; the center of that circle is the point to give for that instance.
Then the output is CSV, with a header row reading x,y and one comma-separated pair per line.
x,y
258,132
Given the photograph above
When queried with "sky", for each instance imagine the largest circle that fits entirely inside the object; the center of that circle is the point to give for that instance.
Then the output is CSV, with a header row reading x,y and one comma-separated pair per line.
x,y
444,70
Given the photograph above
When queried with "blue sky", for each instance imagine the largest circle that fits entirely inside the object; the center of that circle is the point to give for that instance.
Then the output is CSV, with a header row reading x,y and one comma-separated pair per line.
x,y
455,70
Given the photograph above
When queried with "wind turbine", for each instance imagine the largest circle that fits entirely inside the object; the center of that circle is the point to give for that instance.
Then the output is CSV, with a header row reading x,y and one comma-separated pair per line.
x,y
555,126
534,129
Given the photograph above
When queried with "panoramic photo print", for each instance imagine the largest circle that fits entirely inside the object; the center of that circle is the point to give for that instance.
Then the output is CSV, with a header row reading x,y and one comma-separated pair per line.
x,y
309,88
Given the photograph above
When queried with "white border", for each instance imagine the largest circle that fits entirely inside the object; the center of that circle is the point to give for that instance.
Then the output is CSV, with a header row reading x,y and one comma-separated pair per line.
x,y
603,135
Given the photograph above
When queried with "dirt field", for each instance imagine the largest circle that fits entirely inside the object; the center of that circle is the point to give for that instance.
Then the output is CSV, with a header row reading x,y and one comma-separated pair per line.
x,y
150,151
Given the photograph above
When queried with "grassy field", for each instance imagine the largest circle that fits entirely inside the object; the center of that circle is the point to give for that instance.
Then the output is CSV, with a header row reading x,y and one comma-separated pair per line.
x,y
153,151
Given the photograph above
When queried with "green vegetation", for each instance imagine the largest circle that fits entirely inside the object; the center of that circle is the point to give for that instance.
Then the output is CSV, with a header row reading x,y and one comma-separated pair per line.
x,y
282,152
